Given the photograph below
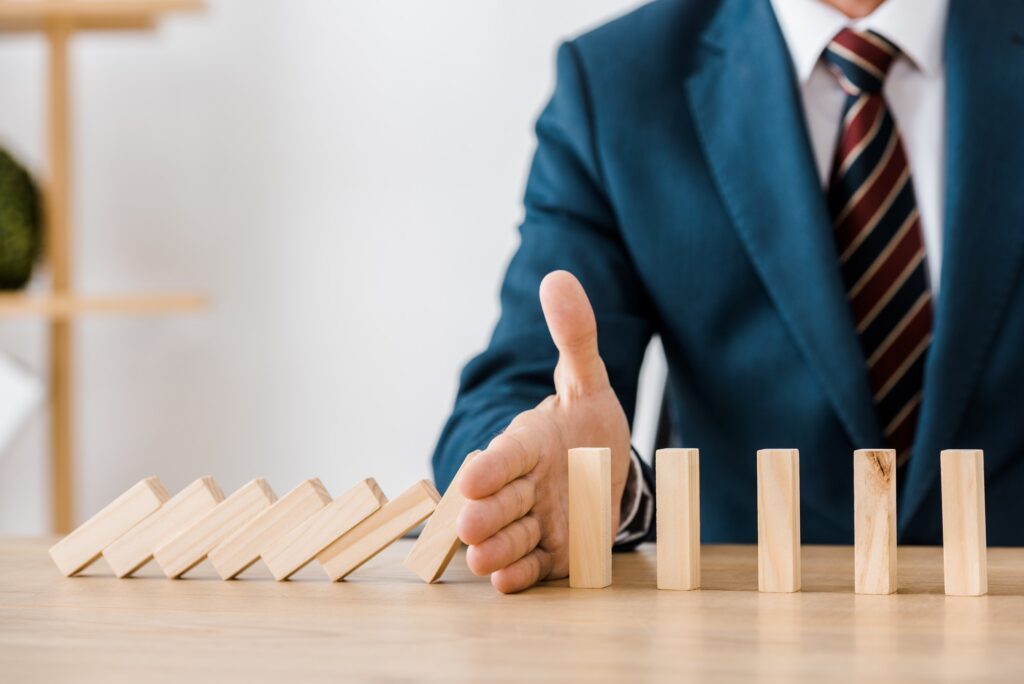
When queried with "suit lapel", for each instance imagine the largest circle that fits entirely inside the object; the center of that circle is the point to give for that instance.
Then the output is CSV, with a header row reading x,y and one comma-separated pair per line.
x,y
747,111
984,235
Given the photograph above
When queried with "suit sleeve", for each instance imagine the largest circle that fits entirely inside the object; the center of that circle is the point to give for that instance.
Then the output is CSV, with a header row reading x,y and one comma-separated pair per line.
x,y
569,224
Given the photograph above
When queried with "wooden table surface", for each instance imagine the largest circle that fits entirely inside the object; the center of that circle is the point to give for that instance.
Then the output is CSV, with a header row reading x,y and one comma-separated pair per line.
x,y
385,625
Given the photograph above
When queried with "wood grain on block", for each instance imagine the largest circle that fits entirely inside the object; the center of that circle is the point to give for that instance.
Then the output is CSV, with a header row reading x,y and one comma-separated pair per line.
x,y
135,548
438,541
964,544
778,520
290,553
874,521
678,508
590,518
189,547
380,530
240,550
80,548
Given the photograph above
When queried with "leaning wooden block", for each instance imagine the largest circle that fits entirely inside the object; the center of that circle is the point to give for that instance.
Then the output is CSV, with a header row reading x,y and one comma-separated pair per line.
x,y
290,553
189,548
874,521
244,547
135,548
590,518
75,552
678,509
380,530
964,544
438,541
778,520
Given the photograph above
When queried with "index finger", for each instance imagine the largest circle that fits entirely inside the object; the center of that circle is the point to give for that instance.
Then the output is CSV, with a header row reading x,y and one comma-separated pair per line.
x,y
508,457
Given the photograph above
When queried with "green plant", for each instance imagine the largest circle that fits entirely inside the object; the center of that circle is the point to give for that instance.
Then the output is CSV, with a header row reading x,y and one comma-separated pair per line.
x,y
20,223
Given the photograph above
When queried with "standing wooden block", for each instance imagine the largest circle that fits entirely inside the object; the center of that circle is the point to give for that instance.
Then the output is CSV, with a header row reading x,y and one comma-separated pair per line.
x,y
590,518
189,548
678,508
964,545
135,548
244,547
438,541
75,552
380,530
290,553
874,521
778,520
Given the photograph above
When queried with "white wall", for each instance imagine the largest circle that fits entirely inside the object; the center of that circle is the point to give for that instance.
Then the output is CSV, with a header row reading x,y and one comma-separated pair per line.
x,y
342,178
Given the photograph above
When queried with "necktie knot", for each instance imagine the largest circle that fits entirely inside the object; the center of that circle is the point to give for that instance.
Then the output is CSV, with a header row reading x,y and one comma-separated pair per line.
x,y
860,60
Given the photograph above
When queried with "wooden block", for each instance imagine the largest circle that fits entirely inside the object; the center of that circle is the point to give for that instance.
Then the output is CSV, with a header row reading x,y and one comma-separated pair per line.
x,y
240,550
438,541
964,545
778,520
590,518
135,548
76,551
380,530
189,548
874,521
678,508
290,553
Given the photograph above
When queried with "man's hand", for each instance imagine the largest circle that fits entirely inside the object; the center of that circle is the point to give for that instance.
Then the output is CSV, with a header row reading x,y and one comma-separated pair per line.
x,y
516,520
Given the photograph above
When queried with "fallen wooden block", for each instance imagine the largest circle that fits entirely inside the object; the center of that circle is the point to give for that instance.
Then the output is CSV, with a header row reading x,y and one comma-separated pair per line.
x,y
80,548
243,548
778,520
964,543
590,518
874,521
290,553
438,541
135,548
380,530
678,509
189,548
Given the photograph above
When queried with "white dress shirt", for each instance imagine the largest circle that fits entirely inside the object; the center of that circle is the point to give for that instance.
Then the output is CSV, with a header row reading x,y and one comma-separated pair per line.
x,y
915,90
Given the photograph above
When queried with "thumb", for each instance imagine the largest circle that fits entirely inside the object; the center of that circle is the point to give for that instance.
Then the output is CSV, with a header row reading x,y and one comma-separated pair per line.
x,y
570,320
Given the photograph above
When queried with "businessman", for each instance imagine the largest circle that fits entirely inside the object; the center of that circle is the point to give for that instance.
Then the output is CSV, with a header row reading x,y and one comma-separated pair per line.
x,y
818,205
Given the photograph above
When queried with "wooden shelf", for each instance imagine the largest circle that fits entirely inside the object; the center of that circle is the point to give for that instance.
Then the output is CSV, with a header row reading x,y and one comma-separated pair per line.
x,y
34,15
21,305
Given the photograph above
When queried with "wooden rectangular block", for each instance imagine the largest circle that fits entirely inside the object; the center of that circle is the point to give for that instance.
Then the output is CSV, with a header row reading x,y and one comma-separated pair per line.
x,y
380,530
590,518
243,548
874,521
677,472
135,548
438,541
189,547
778,520
76,551
964,544
290,553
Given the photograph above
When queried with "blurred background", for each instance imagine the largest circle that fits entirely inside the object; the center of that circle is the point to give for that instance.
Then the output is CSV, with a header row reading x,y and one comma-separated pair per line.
x,y
341,179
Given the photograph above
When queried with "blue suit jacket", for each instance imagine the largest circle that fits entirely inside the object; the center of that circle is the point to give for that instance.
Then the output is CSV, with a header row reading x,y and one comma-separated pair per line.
x,y
674,177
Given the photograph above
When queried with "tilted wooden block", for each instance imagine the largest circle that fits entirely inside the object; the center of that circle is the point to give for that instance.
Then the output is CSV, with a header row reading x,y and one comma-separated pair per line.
x,y
964,543
244,547
189,548
778,520
76,551
290,553
380,530
874,521
590,518
678,509
135,548
438,541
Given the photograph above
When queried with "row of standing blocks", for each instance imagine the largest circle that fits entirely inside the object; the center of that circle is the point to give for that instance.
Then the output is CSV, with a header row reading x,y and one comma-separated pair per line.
x,y
778,520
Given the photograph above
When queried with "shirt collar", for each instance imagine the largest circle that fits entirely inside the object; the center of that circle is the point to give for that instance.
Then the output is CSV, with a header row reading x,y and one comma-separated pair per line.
x,y
917,27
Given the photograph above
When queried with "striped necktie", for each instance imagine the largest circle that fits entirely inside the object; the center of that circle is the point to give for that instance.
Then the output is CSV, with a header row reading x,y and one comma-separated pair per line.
x,y
878,236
